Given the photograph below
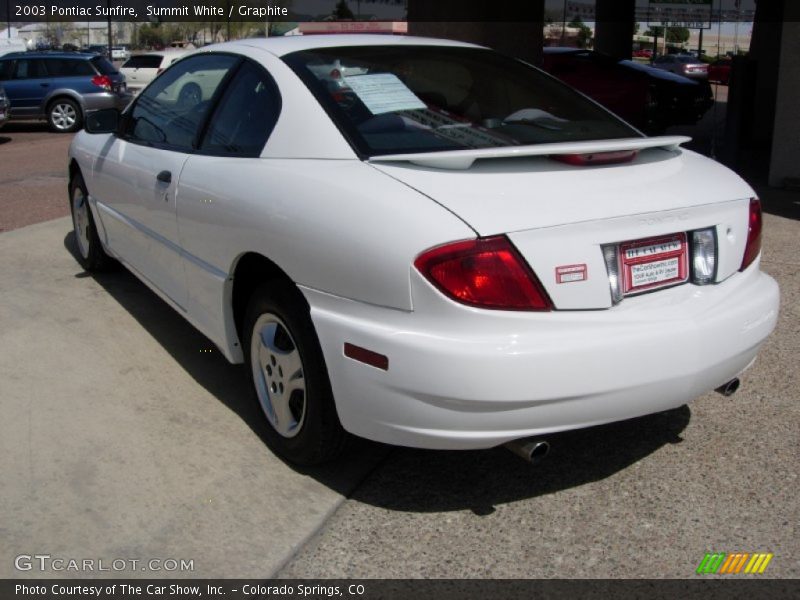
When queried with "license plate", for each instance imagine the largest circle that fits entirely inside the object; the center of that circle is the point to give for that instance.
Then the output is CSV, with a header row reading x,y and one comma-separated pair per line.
x,y
654,262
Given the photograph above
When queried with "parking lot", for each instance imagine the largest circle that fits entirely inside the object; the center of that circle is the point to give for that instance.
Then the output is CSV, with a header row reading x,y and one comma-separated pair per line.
x,y
126,435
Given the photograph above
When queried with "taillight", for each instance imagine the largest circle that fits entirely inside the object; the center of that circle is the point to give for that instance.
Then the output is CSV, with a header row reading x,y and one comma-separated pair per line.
x,y
753,246
103,81
486,273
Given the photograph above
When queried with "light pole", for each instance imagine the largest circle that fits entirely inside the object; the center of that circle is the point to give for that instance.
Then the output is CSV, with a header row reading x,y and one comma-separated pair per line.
x,y
564,24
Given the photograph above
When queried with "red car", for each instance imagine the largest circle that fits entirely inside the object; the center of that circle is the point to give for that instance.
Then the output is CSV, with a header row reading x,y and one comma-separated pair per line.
x,y
648,98
720,71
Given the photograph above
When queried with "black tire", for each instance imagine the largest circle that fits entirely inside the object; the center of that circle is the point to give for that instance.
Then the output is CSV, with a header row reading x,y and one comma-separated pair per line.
x,y
91,255
64,115
312,433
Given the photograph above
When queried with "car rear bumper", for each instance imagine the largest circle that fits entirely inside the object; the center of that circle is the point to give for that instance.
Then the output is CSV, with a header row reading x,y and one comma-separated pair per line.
x,y
462,378
103,100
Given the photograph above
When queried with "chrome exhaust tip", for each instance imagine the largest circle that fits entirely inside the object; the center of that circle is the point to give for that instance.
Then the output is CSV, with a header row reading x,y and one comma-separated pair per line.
x,y
532,451
729,389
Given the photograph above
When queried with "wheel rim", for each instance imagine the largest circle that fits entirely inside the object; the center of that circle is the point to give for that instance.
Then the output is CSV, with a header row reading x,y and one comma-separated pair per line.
x,y
64,116
80,218
278,375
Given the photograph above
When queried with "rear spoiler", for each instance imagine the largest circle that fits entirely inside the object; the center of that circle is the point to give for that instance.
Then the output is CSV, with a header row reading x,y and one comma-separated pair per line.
x,y
463,159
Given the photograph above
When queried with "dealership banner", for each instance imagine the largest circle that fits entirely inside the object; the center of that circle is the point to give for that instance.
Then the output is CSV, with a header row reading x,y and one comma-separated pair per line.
x,y
694,14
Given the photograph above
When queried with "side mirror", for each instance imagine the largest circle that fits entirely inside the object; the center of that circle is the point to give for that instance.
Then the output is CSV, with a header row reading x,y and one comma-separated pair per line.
x,y
102,121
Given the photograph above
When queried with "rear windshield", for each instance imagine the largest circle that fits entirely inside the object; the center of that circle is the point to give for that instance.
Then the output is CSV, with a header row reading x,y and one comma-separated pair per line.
x,y
104,66
401,99
143,61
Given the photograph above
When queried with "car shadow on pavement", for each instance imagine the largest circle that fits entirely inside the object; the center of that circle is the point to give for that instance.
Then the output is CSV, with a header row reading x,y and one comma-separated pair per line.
x,y
202,361
436,481
26,127
779,202
404,479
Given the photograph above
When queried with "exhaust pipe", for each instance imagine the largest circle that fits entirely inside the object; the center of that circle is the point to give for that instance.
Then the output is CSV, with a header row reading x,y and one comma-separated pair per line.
x,y
729,389
530,450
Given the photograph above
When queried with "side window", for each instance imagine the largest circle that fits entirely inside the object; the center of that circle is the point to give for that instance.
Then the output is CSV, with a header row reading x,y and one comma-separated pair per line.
x,y
6,68
246,115
143,61
171,111
30,69
65,67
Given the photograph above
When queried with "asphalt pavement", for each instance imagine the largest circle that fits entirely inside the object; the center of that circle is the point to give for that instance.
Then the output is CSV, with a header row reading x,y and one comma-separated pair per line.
x,y
125,435
645,498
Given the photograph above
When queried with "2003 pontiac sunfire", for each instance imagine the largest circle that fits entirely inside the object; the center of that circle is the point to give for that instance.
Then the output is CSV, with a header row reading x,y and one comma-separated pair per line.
x,y
423,242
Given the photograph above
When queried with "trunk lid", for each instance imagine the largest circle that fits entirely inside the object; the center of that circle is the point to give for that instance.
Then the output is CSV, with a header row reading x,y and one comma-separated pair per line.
x,y
560,215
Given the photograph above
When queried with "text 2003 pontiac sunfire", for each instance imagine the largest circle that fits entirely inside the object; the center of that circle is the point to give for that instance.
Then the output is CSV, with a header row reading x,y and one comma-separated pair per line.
x,y
423,242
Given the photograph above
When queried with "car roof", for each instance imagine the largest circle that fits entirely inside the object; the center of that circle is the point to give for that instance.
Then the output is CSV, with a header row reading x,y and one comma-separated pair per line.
x,y
50,54
281,46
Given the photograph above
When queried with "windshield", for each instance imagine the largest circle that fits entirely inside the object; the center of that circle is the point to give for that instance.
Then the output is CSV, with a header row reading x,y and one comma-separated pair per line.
x,y
401,99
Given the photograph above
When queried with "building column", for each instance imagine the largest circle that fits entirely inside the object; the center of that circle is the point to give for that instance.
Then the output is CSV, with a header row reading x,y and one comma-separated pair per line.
x,y
613,33
784,168
522,38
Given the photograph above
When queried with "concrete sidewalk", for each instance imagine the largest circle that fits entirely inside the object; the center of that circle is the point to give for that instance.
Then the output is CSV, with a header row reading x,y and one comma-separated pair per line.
x,y
125,435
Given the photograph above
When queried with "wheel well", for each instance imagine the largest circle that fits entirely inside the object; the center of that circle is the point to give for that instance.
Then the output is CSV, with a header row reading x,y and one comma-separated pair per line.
x,y
74,169
252,270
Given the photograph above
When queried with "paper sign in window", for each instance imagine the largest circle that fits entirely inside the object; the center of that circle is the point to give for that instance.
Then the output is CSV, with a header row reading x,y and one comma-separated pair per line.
x,y
383,93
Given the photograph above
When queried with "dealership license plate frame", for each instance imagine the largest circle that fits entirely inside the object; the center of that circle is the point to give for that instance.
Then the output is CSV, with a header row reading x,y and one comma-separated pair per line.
x,y
638,258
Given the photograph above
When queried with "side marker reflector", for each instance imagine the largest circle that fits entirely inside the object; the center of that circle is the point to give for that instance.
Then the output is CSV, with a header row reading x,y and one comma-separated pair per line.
x,y
368,357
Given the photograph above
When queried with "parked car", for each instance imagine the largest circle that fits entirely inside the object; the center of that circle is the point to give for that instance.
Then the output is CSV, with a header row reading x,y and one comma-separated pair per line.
x,y
141,69
446,249
720,71
685,65
60,87
4,107
100,49
119,53
651,99
646,53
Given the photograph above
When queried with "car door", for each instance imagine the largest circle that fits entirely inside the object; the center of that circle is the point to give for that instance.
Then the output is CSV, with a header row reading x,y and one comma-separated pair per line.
x,y
28,84
229,153
136,173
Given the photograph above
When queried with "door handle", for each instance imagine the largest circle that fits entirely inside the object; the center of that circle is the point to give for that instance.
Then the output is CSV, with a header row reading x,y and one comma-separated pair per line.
x,y
164,177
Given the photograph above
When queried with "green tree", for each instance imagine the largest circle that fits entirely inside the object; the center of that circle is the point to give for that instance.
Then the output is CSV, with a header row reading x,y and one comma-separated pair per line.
x,y
584,32
150,35
675,35
342,11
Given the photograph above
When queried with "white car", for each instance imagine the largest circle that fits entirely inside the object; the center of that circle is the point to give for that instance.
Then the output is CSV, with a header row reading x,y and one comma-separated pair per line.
x,y
119,53
141,69
447,248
